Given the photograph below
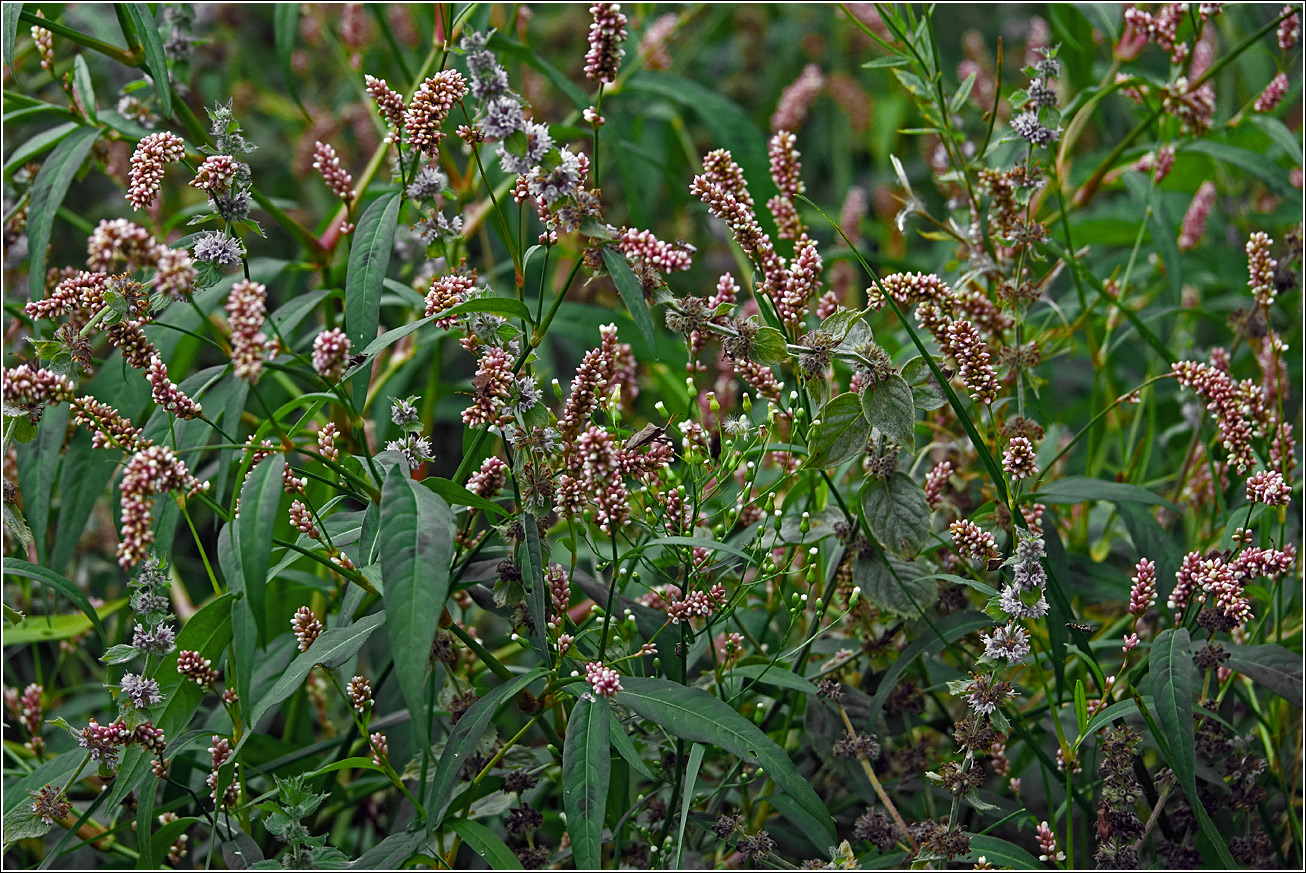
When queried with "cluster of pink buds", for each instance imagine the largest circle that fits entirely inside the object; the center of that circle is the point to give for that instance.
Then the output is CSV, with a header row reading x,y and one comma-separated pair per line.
x,y
151,471
1018,460
359,692
326,442
221,752
642,247
960,340
1273,93
326,162
935,481
216,173
307,627
197,668
431,105
380,749
971,541
30,389
44,40
596,370
1142,596
331,354
27,710
697,604
118,243
492,388
167,394
389,102
1238,407
174,273
489,480
1289,28
446,293
603,680
1261,268
785,172
103,741
607,33
559,591
796,99
82,293
147,163
1268,487
1047,844
247,310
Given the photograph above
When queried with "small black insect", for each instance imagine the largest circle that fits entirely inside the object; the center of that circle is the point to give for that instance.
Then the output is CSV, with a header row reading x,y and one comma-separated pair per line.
x,y
357,359
1082,628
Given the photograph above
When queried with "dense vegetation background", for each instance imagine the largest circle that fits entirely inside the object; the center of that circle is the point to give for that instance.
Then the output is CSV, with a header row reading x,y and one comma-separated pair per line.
x,y
932,499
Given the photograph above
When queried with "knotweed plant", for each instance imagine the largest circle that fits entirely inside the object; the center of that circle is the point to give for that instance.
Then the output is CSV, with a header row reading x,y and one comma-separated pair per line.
x,y
475,435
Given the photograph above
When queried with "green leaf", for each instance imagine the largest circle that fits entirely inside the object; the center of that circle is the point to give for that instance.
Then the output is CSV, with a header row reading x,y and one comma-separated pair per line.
x,y
770,347
1106,716
505,306
1272,666
82,86
841,434
47,196
694,715
890,407
1081,707
51,579
894,586
776,675
285,24
925,391
881,63
687,797
625,748
369,259
416,545
897,513
1001,853
120,654
457,495
1171,670
697,543
23,824
586,767
51,628
1284,138
1254,164
1081,489
532,567
463,740
10,34
486,843
359,763
632,294
39,143
331,649
963,94
155,59
260,505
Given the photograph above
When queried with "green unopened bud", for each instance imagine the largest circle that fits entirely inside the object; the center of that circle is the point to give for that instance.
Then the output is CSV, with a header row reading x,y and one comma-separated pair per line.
x,y
746,403
719,531
854,597
657,665
712,402
820,603
557,389
661,408
805,524
811,574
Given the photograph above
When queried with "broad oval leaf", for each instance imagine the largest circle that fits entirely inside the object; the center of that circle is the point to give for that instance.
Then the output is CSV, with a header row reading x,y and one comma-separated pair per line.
x,y
842,433
692,714
416,545
894,586
331,649
925,390
463,739
369,258
889,407
769,347
47,195
586,767
897,513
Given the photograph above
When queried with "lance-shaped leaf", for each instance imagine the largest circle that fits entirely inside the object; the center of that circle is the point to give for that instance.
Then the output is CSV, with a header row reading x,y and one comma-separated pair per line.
x,y
694,715
586,767
369,258
416,543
